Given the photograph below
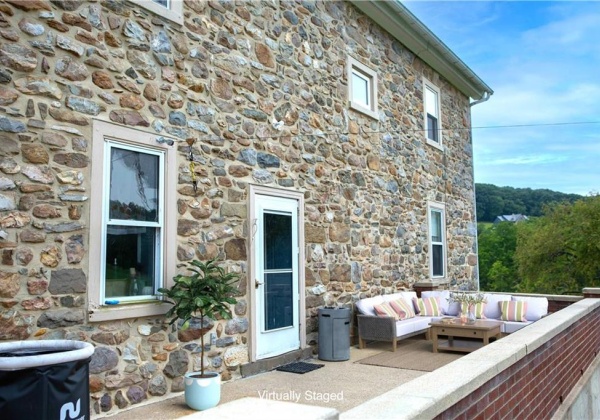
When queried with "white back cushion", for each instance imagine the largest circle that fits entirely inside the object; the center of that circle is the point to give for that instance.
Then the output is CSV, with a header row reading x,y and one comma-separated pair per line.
x,y
492,307
394,296
537,307
445,306
365,306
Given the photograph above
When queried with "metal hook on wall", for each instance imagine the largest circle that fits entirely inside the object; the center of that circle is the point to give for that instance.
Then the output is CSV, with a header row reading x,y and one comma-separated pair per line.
x,y
254,228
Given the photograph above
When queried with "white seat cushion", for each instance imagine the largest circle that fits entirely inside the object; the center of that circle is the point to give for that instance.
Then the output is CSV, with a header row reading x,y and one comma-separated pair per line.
x,y
509,327
537,307
412,325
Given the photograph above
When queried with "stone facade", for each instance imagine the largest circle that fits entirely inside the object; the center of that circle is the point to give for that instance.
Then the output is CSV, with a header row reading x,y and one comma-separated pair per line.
x,y
262,87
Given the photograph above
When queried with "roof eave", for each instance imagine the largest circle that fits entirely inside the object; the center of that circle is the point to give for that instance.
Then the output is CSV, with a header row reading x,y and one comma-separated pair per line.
x,y
396,19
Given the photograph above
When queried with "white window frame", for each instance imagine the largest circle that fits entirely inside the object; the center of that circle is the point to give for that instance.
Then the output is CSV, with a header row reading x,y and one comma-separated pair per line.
x,y
428,85
438,208
357,68
105,136
173,12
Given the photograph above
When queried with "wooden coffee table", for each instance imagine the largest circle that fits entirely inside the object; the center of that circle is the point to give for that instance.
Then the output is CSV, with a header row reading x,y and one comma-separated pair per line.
x,y
482,330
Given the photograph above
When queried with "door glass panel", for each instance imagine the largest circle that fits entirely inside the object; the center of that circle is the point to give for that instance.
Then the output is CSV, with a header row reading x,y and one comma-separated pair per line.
x,y
133,185
278,241
130,261
278,300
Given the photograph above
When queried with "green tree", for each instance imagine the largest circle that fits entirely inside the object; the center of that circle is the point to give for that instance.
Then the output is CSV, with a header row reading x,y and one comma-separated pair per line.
x,y
560,252
493,201
497,268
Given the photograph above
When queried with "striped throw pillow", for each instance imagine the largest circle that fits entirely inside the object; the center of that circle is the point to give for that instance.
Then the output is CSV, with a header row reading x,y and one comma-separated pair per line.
x,y
429,306
384,310
479,308
513,310
402,308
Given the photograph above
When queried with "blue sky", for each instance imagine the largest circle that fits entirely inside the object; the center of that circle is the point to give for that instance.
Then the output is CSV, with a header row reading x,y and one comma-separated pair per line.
x,y
542,59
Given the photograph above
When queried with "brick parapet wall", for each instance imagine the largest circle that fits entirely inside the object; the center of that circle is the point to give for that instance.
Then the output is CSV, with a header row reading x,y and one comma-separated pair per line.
x,y
536,385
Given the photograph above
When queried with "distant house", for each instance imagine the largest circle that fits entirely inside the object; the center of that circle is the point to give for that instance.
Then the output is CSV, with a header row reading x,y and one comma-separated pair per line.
x,y
511,218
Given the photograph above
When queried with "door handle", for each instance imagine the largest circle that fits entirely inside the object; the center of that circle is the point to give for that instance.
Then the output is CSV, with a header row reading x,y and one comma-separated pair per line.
x,y
257,283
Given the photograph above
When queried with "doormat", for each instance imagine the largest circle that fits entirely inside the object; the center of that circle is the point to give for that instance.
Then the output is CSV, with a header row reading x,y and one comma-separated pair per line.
x,y
299,367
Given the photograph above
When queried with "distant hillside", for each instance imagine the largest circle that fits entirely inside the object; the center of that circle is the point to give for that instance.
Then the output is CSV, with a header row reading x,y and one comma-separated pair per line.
x,y
494,201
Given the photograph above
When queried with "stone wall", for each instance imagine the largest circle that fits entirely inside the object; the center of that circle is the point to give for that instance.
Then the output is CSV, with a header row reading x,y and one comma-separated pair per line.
x,y
262,87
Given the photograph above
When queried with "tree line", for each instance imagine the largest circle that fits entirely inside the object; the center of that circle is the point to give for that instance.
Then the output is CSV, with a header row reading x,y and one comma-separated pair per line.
x,y
493,201
555,253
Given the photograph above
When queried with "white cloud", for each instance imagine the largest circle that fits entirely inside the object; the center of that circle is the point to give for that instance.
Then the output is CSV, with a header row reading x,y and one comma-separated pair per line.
x,y
529,160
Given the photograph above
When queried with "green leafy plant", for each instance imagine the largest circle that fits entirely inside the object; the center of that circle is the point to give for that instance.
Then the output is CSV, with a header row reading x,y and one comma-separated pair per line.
x,y
207,291
467,298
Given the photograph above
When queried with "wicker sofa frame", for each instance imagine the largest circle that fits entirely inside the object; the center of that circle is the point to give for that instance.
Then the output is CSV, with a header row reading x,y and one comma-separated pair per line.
x,y
375,328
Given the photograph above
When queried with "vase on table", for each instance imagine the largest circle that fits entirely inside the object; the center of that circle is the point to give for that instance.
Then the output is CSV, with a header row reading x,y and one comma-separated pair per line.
x,y
471,314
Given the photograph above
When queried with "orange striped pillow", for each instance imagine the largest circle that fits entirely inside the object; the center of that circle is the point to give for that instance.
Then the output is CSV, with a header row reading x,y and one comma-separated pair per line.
x,y
384,310
513,310
429,306
402,308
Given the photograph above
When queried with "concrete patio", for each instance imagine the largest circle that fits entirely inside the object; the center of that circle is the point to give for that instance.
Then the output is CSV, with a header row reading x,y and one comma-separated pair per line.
x,y
338,385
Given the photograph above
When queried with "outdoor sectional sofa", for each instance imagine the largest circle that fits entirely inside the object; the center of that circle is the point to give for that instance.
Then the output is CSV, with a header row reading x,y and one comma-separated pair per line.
x,y
372,327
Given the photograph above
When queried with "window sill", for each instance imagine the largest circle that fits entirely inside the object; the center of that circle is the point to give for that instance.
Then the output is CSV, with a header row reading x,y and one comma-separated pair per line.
x,y
435,144
359,108
124,311
174,14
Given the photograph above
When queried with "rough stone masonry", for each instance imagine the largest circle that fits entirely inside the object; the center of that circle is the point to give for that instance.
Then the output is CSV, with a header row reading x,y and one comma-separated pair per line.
x,y
232,70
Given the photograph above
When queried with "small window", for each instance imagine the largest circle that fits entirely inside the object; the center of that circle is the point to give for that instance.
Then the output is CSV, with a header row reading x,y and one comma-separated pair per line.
x,y
433,129
437,240
362,88
132,231
170,9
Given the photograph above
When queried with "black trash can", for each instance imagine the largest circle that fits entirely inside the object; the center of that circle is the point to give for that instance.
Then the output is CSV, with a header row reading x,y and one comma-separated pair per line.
x,y
46,379
334,334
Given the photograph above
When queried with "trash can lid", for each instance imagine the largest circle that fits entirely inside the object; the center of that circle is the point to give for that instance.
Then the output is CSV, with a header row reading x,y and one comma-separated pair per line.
x,y
18,355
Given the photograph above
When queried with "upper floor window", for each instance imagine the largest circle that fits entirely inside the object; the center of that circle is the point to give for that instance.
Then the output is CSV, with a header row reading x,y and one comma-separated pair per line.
x,y
437,239
132,228
433,126
362,88
170,9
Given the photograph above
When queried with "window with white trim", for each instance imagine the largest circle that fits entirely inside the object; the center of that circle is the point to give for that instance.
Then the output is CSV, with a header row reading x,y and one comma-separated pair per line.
x,y
170,9
437,239
362,88
132,231
433,121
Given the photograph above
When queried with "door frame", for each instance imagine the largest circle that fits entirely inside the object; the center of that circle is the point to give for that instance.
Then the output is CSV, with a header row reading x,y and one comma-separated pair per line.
x,y
252,327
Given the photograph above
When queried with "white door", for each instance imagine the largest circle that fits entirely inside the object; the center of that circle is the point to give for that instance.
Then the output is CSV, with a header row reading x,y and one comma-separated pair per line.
x,y
276,276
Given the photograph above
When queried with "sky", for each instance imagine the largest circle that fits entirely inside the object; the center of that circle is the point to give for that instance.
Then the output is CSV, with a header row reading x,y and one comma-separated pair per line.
x,y
542,60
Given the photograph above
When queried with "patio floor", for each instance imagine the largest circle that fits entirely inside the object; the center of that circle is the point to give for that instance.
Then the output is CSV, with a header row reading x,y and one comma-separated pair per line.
x,y
340,385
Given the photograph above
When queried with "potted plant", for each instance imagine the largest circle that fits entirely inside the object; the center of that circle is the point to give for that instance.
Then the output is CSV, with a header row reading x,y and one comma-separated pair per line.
x,y
207,291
